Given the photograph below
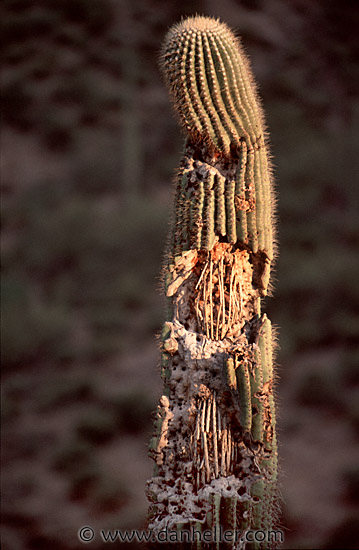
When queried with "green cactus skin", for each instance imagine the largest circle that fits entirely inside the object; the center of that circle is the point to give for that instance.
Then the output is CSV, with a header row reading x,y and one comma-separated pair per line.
x,y
212,87
245,396
216,100
214,441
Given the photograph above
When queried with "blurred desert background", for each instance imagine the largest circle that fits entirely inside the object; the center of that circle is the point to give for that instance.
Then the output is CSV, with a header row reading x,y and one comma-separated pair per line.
x,y
89,147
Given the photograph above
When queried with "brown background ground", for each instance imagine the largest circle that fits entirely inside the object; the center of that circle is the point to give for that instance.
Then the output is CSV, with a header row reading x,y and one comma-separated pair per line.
x,y
89,147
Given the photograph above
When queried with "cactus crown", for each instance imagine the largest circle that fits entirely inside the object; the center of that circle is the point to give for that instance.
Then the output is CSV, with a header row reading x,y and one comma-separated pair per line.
x,y
210,83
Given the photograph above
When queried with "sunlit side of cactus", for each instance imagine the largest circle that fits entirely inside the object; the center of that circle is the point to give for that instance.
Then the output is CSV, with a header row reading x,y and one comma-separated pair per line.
x,y
215,442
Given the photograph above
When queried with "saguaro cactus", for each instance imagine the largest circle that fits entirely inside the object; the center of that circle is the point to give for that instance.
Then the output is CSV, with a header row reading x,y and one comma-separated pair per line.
x,y
215,442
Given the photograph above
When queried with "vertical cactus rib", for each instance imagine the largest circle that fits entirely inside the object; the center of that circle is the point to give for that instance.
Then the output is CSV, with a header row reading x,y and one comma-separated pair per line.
x,y
241,172
208,233
214,442
186,214
244,392
258,493
185,104
231,226
195,91
229,515
266,349
220,205
251,214
179,213
268,199
196,216
261,210
241,205
256,381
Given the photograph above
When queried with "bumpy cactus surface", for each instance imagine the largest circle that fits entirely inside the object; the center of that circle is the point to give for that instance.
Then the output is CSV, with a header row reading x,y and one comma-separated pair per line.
x,y
215,442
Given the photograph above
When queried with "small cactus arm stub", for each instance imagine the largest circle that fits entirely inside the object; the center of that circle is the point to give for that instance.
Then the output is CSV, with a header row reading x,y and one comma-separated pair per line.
x,y
214,443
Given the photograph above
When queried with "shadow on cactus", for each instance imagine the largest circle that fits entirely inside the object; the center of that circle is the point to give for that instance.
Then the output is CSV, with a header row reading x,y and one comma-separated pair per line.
x,y
215,444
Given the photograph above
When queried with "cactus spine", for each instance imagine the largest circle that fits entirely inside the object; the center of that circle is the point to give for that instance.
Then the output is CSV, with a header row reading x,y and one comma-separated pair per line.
x,y
215,444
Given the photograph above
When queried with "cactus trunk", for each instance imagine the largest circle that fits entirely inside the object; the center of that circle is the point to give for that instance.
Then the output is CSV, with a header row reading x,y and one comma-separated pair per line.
x,y
215,442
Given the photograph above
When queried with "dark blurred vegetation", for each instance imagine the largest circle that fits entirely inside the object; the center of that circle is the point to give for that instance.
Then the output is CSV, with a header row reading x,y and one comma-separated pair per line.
x,y
89,148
